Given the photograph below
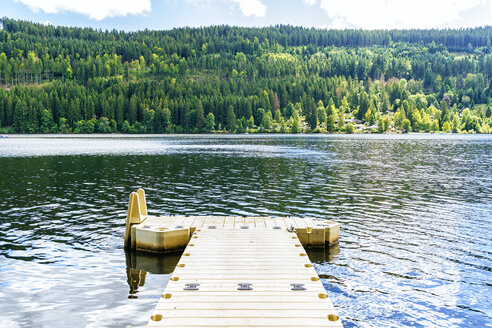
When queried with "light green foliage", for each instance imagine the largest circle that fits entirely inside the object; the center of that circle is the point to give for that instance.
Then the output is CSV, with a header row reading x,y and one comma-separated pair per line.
x,y
240,126
126,128
278,116
446,127
407,127
321,111
148,120
434,125
86,126
424,123
267,121
349,128
209,122
370,116
241,60
54,73
341,121
62,126
295,121
251,122
384,123
47,123
456,124
103,125
298,109
332,114
399,117
283,126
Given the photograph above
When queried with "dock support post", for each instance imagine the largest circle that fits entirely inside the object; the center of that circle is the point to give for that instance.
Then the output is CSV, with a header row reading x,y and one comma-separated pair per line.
x,y
135,215
142,201
332,232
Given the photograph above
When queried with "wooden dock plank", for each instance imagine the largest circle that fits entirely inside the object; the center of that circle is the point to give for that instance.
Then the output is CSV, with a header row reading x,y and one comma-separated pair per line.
x,y
269,223
249,222
238,222
305,306
280,222
229,222
260,222
209,222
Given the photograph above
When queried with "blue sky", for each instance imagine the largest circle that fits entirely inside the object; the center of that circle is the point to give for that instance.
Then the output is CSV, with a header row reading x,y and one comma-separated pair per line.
x,y
165,14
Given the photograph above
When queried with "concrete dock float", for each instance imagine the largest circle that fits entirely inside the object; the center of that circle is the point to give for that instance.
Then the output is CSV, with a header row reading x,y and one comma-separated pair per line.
x,y
236,271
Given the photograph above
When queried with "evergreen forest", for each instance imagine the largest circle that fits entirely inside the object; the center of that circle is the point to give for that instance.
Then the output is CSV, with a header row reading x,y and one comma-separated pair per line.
x,y
278,79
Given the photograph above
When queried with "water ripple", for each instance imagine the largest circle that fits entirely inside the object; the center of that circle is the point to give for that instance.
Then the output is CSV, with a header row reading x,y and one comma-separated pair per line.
x,y
415,211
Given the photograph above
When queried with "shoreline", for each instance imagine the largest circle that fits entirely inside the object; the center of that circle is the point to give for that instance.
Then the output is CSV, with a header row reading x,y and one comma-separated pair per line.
x,y
215,135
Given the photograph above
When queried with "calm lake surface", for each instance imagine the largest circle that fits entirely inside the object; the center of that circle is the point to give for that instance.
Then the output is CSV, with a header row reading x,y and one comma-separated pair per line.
x,y
415,211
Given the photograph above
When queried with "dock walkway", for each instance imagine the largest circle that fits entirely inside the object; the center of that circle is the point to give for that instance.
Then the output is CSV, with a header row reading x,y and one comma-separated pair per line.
x,y
244,278
236,271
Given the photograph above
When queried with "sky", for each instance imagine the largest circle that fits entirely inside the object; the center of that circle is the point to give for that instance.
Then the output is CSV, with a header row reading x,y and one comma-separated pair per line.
x,y
131,15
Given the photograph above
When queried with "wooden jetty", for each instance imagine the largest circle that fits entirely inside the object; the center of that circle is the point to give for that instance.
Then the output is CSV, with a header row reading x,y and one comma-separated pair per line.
x,y
236,271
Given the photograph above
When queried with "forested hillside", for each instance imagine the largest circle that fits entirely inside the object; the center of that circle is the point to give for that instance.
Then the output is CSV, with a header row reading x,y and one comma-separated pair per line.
x,y
234,79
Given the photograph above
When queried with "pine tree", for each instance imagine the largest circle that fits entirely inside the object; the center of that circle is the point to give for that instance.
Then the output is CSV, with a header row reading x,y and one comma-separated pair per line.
x,y
20,117
200,117
231,119
363,105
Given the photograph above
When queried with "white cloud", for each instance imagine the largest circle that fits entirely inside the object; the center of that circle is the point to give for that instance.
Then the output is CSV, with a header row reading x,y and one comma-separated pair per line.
x,y
251,7
339,23
310,2
248,8
381,14
95,9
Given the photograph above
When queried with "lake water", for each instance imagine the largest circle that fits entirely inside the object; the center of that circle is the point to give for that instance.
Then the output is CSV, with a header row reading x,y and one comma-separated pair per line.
x,y
415,212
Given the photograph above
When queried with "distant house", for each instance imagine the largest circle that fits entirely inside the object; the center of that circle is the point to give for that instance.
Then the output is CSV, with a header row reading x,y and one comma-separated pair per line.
x,y
354,121
350,120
